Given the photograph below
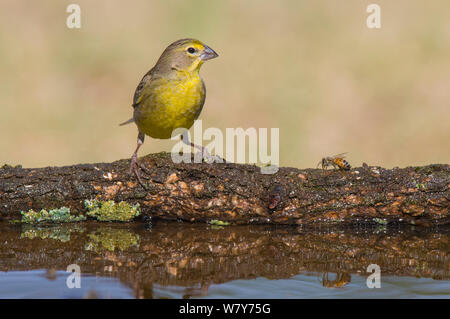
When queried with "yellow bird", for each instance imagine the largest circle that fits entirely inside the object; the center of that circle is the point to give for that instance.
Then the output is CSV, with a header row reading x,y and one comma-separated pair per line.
x,y
171,95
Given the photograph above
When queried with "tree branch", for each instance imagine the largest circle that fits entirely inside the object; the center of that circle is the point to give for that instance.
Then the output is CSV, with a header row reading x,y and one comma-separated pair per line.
x,y
238,193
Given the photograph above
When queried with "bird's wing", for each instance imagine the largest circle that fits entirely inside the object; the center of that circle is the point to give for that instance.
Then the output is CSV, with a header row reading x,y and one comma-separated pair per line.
x,y
138,93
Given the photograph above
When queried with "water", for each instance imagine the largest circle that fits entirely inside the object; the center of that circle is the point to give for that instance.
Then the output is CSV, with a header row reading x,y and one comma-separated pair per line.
x,y
181,260
38,284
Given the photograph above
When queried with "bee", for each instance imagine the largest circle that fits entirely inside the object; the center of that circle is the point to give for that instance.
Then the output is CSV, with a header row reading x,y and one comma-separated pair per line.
x,y
341,280
337,161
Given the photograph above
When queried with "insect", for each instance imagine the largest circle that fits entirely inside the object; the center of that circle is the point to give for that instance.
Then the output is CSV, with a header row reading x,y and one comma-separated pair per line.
x,y
341,280
337,161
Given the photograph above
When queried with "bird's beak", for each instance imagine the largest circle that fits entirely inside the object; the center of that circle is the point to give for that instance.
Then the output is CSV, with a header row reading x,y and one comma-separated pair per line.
x,y
208,54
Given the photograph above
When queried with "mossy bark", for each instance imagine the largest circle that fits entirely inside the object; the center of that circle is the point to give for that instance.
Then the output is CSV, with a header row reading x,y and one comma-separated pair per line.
x,y
238,193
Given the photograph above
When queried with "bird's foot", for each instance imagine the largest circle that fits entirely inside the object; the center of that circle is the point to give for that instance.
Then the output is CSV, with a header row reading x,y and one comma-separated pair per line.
x,y
134,168
208,158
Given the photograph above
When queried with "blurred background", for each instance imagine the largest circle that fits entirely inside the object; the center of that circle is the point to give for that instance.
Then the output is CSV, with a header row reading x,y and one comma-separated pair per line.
x,y
311,68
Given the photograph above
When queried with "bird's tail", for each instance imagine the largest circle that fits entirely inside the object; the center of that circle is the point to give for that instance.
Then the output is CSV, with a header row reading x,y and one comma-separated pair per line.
x,y
127,122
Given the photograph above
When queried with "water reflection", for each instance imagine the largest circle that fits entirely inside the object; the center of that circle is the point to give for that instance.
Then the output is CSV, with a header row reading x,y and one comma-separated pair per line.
x,y
57,232
186,260
340,280
105,238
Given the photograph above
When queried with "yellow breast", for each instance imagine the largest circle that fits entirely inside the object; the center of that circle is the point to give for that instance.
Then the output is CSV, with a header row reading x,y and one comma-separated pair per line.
x,y
168,104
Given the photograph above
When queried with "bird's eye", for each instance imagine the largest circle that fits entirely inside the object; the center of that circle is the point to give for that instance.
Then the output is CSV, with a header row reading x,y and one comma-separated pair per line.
x,y
191,50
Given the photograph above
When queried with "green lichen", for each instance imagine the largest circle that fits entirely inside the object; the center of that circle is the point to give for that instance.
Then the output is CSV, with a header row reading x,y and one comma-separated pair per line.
x,y
59,215
55,232
217,222
420,186
111,239
380,229
380,221
111,211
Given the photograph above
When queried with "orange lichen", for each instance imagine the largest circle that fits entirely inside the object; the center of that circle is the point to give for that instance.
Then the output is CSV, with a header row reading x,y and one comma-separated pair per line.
x,y
183,187
112,190
332,215
413,210
172,178
197,187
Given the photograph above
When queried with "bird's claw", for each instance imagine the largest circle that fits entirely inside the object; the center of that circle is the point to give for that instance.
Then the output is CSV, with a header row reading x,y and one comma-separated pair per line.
x,y
134,168
208,158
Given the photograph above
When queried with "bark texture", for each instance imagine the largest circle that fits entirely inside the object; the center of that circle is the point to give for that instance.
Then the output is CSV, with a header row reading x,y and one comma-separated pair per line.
x,y
238,193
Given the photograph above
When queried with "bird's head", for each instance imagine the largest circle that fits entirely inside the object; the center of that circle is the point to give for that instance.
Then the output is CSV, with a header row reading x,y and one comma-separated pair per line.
x,y
185,55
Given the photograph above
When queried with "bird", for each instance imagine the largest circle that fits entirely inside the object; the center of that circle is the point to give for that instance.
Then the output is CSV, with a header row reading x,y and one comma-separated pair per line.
x,y
171,95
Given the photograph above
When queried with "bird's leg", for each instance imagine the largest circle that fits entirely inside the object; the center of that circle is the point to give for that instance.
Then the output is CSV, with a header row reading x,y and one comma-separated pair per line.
x,y
134,160
203,150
